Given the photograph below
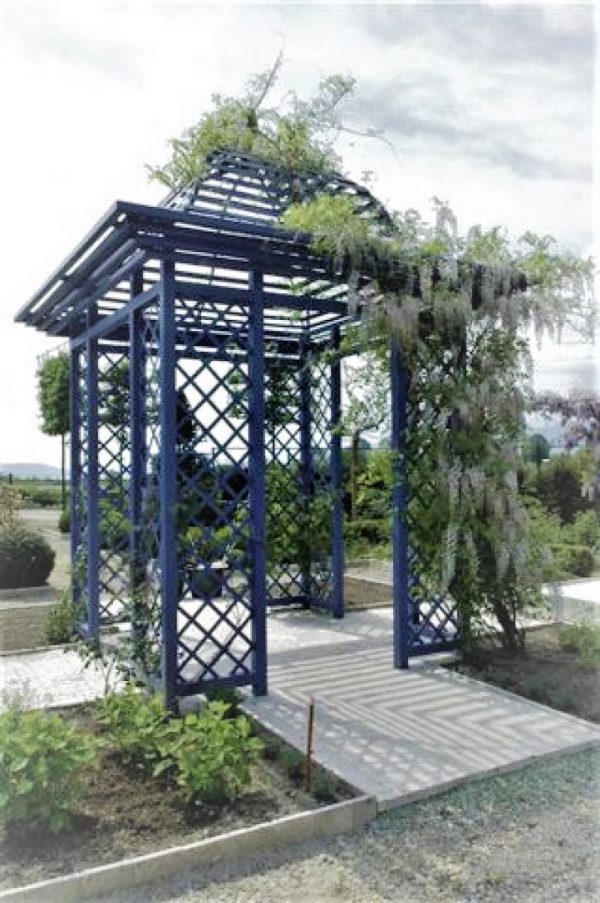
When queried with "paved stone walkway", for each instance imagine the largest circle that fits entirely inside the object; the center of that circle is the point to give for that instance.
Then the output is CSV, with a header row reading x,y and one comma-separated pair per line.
x,y
402,735
398,735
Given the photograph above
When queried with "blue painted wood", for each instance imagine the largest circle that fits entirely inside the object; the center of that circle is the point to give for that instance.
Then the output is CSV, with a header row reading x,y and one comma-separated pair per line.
x,y
337,526
257,483
400,568
168,481
75,469
92,487
306,457
137,415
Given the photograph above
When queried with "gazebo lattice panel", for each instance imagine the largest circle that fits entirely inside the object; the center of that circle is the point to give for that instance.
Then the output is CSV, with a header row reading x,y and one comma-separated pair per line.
x,y
198,312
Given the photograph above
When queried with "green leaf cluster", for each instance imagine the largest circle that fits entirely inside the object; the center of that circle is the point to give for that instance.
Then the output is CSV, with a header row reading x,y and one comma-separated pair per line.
x,y
295,134
26,558
211,754
138,726
44,762
53,395
584,639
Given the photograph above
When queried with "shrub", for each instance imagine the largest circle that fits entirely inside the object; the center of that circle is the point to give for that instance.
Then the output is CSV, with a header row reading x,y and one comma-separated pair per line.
x,y
137,726
10,502
43,761
60,626
212,754
574,559
229,695
294,764
40,496
585,529
64,521
26,559
559,486
584,639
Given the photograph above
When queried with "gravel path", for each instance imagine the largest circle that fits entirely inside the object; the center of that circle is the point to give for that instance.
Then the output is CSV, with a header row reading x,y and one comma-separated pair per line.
x,y
528,836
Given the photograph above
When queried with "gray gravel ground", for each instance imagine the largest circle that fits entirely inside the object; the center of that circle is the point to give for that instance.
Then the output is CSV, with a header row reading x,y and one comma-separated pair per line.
x,y
528,836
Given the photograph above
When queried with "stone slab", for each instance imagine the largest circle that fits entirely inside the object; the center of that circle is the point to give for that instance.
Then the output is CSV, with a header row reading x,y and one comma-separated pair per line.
x,y
402,735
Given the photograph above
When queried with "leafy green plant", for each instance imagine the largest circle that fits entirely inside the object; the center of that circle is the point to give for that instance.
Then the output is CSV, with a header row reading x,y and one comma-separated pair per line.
x,y
60,626
64,521
584,639
229,695
10,503
43,764
293,764
212,754
573,560
26,559
137,726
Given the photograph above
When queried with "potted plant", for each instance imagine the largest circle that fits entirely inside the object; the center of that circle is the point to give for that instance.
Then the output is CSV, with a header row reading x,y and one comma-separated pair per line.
x,y
205,560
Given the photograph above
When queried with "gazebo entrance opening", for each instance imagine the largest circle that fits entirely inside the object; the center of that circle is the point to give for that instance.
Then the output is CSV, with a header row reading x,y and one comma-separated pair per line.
x,y
206,450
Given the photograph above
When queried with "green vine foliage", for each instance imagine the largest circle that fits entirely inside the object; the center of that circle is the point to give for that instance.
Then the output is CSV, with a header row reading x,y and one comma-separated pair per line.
x,y
462,333
459,305
296,134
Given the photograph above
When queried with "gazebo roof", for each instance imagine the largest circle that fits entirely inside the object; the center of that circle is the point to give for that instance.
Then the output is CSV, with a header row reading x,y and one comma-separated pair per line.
x,y
217,230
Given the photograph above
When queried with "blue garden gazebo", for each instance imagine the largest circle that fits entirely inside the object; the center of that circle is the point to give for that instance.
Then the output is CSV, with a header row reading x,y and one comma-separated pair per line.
x,y
184,321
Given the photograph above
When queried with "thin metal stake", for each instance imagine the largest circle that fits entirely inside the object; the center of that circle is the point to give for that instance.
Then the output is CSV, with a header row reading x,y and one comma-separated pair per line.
x,y
309,743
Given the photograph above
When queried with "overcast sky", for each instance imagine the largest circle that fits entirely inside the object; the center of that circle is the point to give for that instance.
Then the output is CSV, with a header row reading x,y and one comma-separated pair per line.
x,y
489,107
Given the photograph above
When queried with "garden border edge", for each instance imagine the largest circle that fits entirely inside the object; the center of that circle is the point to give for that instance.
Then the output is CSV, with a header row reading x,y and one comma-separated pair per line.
x,y
118,876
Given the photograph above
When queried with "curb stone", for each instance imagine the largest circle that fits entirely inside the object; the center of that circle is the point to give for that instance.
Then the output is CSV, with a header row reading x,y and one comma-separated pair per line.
x,y
119,876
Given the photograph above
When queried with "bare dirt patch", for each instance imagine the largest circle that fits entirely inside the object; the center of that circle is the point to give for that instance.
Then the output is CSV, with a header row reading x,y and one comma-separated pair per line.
x,y
543,671
126,813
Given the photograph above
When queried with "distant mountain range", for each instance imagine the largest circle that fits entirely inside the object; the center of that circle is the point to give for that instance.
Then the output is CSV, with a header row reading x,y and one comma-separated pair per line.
x,y
30,471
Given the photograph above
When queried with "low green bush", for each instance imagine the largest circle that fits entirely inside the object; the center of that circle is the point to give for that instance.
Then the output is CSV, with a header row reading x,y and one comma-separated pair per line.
x,y
585,529
43,763
229,695
137,726
26,559
64,521
40,496
573,559
212,754
293,763
61,622
584,639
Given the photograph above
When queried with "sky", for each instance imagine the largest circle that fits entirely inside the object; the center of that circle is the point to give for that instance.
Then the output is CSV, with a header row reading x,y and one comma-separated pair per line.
x,y
487,106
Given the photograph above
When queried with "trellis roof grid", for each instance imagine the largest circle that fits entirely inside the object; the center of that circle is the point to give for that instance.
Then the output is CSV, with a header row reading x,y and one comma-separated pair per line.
x,y
218,230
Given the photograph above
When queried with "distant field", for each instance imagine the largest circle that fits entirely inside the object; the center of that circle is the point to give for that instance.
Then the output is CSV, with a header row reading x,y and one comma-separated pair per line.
x,y
37,493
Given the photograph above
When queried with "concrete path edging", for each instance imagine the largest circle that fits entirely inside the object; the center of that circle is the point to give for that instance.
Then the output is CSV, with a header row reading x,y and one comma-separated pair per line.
x,y
119,876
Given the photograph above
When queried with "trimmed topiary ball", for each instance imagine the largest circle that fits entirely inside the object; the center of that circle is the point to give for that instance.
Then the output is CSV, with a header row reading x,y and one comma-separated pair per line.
x,y
26,559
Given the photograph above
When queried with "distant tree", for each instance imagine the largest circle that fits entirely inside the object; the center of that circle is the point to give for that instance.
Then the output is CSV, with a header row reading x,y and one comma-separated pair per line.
x,y
537,449
53,397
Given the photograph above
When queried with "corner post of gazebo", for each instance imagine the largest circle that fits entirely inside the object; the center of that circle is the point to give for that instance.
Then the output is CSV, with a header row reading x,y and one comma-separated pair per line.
x,y
92,480
257,480
400,549
336,475
168,478
306,456
137,426
75,469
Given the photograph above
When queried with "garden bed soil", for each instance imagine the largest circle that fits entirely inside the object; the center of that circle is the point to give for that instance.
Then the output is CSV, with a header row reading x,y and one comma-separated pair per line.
x,y
127,813
543,671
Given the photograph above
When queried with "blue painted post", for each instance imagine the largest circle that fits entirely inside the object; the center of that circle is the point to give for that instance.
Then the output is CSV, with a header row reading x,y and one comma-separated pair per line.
x,y
75,423
399,387
306,462
93,513
256,439
137,426
337,524
168,480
